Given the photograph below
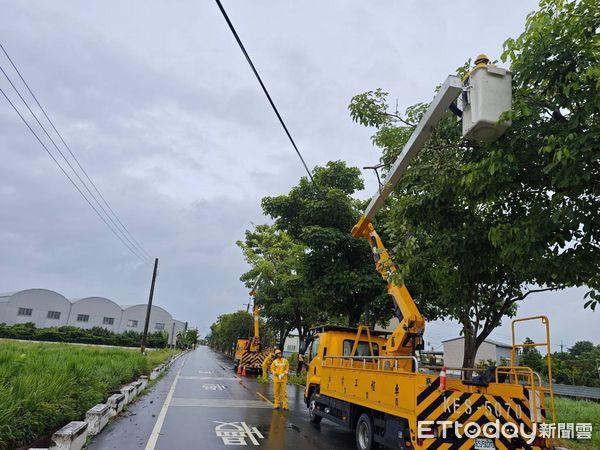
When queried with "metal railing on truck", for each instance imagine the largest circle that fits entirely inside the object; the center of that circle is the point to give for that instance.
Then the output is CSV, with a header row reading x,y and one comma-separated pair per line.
x,y
379,360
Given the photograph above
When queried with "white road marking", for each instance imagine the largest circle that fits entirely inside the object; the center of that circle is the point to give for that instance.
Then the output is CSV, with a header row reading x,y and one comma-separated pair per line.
x,y
265,399
218,403
234,434
191,377
163,412
214,387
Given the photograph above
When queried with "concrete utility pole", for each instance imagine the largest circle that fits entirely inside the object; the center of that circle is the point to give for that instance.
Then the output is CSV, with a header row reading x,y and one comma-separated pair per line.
x,y
145,336
173,340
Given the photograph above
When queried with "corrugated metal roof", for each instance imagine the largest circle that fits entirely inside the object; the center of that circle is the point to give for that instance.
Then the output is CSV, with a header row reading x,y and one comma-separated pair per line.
x,y
8,294
565,390
4,298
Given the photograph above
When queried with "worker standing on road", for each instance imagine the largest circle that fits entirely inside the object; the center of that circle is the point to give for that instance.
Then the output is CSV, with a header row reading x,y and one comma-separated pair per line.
x,y
266,365
280,368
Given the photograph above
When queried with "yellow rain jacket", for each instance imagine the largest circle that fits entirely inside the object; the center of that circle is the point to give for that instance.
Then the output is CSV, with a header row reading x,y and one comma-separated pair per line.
x,y
280,368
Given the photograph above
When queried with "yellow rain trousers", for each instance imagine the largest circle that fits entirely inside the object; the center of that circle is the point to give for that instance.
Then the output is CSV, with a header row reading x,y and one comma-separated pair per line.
x,y
280,368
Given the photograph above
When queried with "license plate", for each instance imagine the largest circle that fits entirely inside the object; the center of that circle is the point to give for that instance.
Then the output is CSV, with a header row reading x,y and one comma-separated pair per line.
x,y
484,444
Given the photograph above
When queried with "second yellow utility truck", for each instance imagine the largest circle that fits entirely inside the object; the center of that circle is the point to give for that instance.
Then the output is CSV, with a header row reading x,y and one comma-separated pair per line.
x,y
249,353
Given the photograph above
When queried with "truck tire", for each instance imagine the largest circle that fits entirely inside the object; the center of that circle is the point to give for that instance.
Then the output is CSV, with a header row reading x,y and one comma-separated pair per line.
x,y
364,432
312,405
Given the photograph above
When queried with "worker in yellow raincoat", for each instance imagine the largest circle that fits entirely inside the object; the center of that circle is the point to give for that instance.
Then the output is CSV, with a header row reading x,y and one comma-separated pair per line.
x,y
266,365
280,368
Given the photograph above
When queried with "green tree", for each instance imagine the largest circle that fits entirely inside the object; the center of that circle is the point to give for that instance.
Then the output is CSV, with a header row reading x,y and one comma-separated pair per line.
x,y
531,357
338,268
188,339
283,294
228,328
581,348
475,228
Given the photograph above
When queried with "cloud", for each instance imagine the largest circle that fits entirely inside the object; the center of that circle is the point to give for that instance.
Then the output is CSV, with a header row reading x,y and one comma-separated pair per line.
x,y
164,113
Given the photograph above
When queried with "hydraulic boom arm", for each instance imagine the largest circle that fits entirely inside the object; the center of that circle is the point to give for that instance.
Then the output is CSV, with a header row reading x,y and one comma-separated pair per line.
x,y
408,336
255,342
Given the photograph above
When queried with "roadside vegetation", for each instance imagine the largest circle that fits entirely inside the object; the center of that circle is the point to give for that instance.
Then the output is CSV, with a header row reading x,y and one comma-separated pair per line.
x,y
96,335
579,411
576,366
45,386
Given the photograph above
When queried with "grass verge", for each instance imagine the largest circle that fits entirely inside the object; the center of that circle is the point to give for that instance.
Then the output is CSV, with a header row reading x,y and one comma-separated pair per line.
x,y
579,411
297,379
45,386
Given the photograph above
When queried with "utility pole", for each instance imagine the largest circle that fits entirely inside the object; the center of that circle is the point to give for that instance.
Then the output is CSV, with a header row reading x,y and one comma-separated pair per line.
x,y
145,336
173,340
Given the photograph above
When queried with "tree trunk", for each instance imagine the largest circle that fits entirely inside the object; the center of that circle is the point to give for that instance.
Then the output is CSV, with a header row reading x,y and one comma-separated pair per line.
x,y
366,306
470,352
283,335
354,318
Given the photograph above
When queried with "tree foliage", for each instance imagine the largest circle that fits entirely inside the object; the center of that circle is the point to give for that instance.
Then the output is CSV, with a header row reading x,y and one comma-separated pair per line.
x,y
228,328
337,268
579,366
188,339
475,228
94,335
531,357
283,294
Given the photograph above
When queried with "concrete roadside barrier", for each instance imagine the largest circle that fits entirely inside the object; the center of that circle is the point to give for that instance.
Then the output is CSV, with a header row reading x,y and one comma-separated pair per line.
x,y
97,418
115,403
144,380
137,387
129,392
154,374
157,371
70,437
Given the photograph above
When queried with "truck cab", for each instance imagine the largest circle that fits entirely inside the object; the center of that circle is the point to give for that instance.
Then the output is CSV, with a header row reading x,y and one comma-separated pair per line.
x,y
331,342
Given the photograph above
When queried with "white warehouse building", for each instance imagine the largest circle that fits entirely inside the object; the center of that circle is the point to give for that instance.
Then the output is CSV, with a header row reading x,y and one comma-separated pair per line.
x,y
488,350
47,309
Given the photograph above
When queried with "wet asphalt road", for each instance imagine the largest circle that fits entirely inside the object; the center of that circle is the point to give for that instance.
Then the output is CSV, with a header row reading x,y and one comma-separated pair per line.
x,y
202,404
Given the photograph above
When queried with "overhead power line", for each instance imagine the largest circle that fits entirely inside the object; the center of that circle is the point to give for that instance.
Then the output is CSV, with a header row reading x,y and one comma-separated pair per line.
x,y
65,159
123,227
65,172
132,245
262,85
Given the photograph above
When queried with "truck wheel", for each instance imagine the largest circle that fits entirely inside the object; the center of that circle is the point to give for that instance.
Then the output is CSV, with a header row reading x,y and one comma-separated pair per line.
x,y
364,432
312,406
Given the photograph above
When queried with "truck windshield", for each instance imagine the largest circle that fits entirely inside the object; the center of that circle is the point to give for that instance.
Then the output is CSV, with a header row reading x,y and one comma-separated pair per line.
x,y
362,349
313,348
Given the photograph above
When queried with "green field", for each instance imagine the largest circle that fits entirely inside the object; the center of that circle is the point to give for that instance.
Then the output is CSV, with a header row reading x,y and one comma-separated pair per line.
x,y
579,411
44,386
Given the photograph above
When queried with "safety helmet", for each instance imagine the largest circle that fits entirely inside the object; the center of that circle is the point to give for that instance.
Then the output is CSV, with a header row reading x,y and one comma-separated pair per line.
x,y
278,352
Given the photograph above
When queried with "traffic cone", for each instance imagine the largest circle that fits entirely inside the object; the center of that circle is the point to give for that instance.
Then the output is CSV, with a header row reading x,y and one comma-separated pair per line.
x,y
443,379
244,371
239,369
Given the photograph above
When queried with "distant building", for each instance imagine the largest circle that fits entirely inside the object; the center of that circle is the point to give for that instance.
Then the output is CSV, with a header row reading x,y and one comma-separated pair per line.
x,y
47,308
454,352
291,345
92,312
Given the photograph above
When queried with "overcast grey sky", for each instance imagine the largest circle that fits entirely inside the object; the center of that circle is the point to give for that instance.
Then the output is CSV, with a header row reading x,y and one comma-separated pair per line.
x,y
158,103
